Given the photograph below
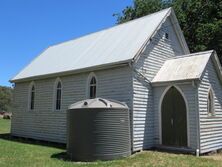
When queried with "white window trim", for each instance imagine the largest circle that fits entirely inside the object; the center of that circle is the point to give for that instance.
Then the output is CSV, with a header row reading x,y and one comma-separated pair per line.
x,y
29,96
90,76
55,94
211,93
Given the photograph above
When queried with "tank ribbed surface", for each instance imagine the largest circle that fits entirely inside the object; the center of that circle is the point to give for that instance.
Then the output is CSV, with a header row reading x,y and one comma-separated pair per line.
x,y
98,133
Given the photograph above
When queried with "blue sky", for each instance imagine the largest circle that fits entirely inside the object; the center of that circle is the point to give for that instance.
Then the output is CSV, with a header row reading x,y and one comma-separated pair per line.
x,y
27,27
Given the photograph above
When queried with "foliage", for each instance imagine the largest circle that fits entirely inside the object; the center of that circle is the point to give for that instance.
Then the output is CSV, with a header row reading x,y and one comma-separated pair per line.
x,y
23,152
200,20
5,98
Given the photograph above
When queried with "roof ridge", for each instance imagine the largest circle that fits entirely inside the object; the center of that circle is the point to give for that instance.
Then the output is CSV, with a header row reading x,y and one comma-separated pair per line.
x,y
192,54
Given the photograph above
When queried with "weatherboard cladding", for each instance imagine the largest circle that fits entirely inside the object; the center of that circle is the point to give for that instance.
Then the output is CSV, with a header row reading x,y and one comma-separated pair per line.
x,y
210,126
46,124
149,63
112,45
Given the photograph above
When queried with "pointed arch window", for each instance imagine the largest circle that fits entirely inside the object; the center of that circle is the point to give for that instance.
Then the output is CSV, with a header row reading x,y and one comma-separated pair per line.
x,y
92,88
210,103
31,101
58,95
92,82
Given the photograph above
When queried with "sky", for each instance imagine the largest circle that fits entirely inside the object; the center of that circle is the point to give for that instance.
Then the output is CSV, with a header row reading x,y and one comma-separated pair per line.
x,y
27,27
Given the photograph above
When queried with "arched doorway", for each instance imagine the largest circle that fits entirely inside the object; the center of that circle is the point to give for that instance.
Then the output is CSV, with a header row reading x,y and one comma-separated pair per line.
x,y
174,119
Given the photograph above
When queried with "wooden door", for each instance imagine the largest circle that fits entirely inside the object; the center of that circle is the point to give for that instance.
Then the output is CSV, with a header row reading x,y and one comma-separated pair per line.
x,y
174,119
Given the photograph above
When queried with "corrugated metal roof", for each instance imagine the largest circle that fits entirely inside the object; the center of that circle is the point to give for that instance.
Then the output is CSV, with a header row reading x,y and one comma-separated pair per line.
x,y
113,45
184,68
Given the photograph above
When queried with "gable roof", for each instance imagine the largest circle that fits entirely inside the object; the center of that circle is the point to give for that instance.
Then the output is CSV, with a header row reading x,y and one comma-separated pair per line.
x,y
188,67
115,45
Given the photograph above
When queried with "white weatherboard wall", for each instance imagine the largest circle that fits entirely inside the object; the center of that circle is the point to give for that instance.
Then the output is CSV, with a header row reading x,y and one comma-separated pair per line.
x,y
210,126
190,93
149,63
46,124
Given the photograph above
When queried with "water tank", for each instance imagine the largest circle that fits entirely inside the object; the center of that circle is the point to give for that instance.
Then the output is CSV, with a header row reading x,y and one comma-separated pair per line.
x,y
98,129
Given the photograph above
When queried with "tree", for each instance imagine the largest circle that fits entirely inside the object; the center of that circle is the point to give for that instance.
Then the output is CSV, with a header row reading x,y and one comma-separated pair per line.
x,y
5,98
200,20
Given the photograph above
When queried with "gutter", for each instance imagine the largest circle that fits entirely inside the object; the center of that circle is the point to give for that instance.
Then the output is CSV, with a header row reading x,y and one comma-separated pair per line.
x,y
183,81
71,72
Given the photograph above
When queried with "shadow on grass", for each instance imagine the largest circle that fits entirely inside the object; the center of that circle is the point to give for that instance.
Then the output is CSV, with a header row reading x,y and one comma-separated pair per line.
x,y
174,150
61,156
9,137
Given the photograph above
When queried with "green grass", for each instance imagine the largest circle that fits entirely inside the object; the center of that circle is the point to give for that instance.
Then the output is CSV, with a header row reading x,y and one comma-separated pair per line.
x,y
5,126
26,153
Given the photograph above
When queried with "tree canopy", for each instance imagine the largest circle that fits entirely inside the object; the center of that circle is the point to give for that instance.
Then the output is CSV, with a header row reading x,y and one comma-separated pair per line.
x,y
5,98
200,20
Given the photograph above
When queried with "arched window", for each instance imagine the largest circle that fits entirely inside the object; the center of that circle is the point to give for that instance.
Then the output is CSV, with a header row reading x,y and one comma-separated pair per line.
x,y
32,96
58,95
210,103
92,86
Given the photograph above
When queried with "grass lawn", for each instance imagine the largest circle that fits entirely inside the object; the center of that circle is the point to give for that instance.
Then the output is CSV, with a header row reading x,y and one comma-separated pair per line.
x,y
21,153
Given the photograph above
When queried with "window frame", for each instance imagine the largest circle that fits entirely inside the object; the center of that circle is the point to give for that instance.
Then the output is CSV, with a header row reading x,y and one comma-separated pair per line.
x,y
89,85
32,96
55,96
210,102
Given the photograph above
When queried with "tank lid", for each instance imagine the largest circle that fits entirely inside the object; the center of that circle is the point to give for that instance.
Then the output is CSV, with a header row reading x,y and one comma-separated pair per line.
x,y
98,103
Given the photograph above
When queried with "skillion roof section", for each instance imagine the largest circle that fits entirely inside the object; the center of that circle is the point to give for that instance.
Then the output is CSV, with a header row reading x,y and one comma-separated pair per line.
x,y
114,45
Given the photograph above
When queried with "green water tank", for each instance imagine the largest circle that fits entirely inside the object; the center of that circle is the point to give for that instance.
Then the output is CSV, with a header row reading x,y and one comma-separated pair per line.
x,y
98,129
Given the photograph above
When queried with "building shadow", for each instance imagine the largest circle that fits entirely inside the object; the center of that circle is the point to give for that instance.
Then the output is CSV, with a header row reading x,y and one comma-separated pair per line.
x,y
174,150
61,156
9,137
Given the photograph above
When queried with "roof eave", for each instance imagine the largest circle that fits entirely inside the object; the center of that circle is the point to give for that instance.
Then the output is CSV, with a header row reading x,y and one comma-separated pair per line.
x,y
137,55
65,73
217,64
182,81
179,33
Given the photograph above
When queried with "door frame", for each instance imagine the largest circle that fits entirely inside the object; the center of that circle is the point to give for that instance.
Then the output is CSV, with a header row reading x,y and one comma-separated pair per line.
x,y
160,113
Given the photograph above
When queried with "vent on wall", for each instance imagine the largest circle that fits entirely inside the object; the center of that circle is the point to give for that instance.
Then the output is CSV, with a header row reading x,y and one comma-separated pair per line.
x,y
166,35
